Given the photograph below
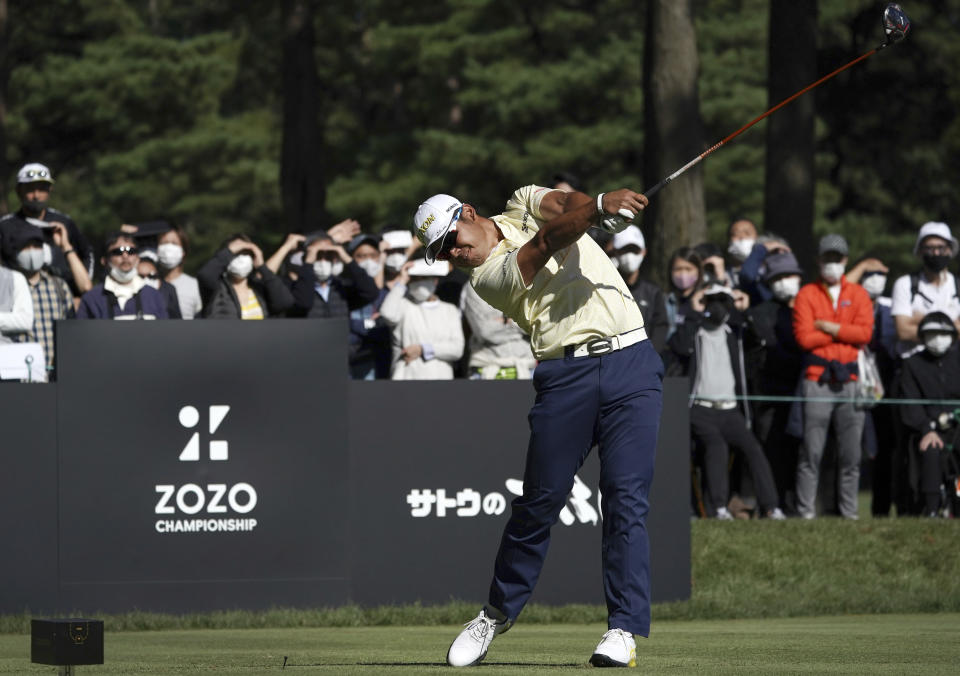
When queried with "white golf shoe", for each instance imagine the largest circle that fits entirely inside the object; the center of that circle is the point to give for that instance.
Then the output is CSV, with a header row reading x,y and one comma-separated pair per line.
x,y
616,649
471,645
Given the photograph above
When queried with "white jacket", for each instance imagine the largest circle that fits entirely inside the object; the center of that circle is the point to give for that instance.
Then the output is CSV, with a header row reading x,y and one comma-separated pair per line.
x,y
435,325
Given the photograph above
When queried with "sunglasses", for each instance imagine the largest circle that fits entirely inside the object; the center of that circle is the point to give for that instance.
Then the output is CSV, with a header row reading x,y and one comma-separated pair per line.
x,y
449,239
36,173
120,250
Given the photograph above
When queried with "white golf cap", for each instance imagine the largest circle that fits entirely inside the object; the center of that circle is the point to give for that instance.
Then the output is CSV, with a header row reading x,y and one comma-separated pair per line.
x,y
936,229
33,173
432,221
397,239
421,268
630,235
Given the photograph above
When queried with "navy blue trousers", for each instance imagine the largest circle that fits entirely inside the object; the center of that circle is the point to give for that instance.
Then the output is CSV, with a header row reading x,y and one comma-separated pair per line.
x,y
613,401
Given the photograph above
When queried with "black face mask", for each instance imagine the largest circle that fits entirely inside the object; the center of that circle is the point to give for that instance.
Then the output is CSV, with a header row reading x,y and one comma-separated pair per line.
x,y
34,207
935,262
715,314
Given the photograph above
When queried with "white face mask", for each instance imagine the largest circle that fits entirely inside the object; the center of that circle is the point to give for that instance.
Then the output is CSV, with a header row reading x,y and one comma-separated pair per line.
x,y
421,290
628,263
47,254
786,288
831,272
123,276
30,260
241,266
741,248
155,283
370,266
337,268
395,261
170,255
938,343
874,285
322,270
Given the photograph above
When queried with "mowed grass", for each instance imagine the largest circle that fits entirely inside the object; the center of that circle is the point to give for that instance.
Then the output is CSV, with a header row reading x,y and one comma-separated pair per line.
x,y
880,644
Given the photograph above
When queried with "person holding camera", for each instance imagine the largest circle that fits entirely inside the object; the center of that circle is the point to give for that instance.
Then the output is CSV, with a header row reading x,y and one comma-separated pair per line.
x,y
932,374
710,346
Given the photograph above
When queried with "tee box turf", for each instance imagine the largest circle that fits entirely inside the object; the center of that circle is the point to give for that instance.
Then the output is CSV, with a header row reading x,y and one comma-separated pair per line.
x,y
66,643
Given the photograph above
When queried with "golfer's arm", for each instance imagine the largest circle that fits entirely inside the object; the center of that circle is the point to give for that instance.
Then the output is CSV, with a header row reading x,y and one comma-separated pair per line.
x,y
570,215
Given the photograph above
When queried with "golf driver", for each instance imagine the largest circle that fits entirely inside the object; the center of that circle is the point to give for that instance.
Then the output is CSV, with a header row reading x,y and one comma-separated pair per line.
x,y
895,25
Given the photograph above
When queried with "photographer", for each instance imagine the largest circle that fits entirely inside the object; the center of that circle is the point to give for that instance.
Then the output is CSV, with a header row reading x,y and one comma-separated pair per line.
x,y
710,346
934,374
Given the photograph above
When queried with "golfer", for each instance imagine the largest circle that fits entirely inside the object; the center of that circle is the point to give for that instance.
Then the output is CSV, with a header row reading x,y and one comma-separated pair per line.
x,y
598,382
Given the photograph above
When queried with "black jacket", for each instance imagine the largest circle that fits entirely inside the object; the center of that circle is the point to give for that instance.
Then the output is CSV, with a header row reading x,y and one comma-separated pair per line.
x,y
927,377
653,307
220,300
778,364
59,265
350,290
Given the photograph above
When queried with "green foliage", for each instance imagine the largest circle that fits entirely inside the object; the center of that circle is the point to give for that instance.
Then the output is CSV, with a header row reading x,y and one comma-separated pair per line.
x,y
172,110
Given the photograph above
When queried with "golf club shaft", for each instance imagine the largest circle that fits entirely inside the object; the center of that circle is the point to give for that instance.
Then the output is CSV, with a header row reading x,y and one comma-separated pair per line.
x,y
652,191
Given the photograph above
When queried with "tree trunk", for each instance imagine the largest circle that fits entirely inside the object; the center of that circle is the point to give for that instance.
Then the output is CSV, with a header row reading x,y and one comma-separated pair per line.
x,y
673,132
301,164
4,79
789,194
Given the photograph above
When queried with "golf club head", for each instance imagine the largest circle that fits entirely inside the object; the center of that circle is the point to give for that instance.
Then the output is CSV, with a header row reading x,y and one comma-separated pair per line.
x,y
895,23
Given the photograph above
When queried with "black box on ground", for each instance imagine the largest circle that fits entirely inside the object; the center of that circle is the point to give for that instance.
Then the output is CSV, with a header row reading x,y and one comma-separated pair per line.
x,y
69,641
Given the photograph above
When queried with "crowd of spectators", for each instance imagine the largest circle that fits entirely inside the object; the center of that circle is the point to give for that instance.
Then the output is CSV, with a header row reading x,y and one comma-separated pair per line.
x,y
784,374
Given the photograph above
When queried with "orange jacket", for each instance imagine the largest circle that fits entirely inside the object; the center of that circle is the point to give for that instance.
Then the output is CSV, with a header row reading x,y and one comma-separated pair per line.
x,y
854,314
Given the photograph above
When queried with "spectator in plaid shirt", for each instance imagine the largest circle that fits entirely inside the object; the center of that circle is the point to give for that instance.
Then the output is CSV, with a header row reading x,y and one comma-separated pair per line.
x,y
52,299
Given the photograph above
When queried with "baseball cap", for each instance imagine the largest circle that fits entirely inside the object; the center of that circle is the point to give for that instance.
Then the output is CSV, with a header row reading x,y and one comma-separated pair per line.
x,y
433,220
34,172
937,321
630,235
936,229
833,242
780,264
397,239
150,254
363,238
421,268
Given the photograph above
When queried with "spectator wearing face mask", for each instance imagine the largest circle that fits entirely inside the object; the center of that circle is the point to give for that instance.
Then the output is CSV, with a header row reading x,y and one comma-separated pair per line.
x,y
172,246
933,373
752,274
67,253
832,319
235,284
778,365
710,345
123,294
149,270
397,245
370,350
627,250
741,239
685,270
330,283
932,289
51,296
427,332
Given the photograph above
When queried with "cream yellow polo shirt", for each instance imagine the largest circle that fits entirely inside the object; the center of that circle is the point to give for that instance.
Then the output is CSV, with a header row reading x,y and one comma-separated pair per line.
x,y
577,296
